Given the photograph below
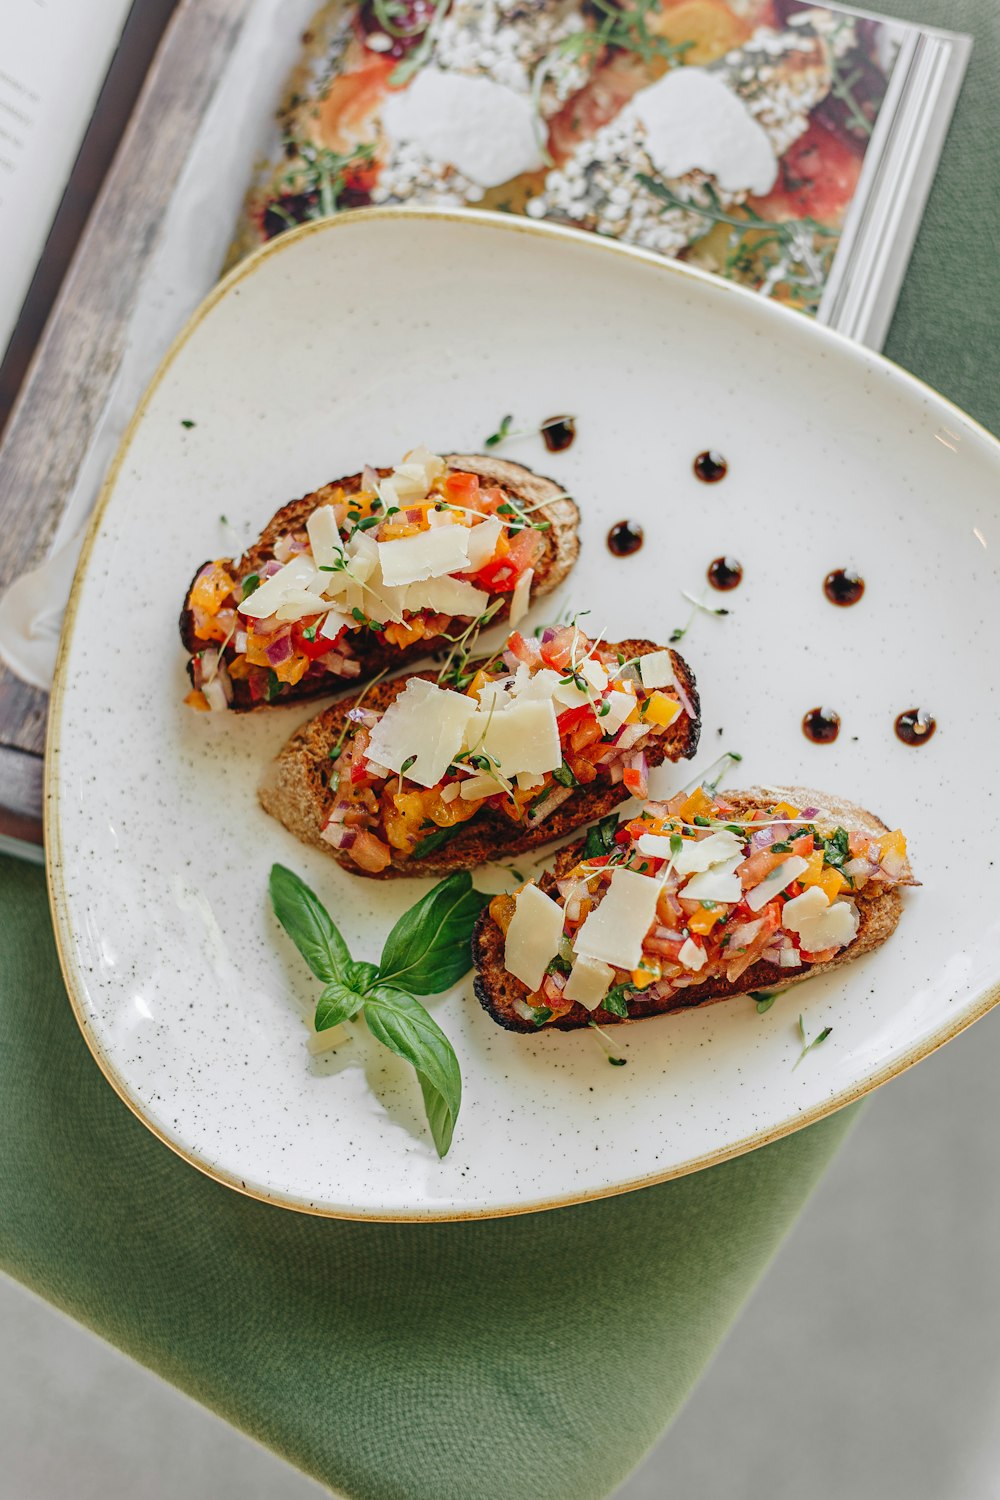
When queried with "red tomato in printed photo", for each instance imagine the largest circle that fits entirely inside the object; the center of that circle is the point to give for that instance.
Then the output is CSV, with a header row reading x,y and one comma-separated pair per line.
x,y
818,177
603,97
345,114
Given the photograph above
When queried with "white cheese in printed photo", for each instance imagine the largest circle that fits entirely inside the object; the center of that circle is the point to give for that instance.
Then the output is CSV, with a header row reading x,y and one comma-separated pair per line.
x,y
425,722
429,554
615,929
533,936
481,127
694,122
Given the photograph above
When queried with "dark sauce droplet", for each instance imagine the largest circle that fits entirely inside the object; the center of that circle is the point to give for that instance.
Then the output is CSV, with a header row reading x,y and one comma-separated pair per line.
x,y
624,538
725,573
710,466
821,725
558,433
843,587
915,726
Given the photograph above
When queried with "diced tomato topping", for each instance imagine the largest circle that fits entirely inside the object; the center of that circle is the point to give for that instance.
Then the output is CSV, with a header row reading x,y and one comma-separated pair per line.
x,y
573,716
319,645
634,780
500,575
753,870
460,488
519,647
803,845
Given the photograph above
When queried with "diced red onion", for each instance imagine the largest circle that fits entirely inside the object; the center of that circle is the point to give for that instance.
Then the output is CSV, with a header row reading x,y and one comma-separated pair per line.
x,y
215,695
366,716
572,911
685,701
771,955
351,667
858,867
548,634
762,838
553,986
378,772
258,686
269,569
414,513
338,836
743,935
629,736
240,642
279,650
616,771
809,812
552,801
790,959
637,762
206,666
369,478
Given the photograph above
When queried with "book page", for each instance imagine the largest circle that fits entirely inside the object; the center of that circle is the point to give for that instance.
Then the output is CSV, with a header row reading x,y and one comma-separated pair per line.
x,y
53,58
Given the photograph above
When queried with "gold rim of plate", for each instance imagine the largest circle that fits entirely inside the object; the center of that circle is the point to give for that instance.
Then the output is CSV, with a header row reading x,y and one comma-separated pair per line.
x,y
511,224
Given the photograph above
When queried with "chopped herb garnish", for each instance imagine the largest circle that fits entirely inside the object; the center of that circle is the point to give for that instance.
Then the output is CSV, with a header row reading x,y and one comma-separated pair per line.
x,y
835,848
309,633
407,763
433,841
763,999
601,837
616,1000
700,822
187,422
564,776
559,965
808,1046
541,1014
502,431
676,845
249,585
274,685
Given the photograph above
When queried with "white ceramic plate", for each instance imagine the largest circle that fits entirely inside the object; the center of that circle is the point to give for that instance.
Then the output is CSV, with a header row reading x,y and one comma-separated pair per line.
x,y
351,341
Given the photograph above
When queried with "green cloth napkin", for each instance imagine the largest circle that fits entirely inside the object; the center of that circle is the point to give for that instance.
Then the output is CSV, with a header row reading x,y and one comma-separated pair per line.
x,y
533,1358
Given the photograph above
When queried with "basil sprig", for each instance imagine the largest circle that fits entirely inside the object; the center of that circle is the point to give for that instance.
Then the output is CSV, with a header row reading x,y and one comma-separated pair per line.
x,y
426,952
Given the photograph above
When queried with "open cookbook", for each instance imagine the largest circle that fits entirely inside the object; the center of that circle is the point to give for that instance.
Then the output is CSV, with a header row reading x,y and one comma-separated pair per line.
x,y
787,147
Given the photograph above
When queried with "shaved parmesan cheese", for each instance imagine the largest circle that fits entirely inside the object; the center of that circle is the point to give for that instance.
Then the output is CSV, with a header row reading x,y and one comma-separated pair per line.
x,y
818,924
588,982
297,574
593,672
410,481
692,955
424,721
298,603
533,936
656,669
387,494
720,883
477,787
527,781
701,854
656,845
433,465
521,597
483,538
495,695
522,737
615,929
532,687
429,554
568,695
773,884
446,596
334,624
324,536
620,705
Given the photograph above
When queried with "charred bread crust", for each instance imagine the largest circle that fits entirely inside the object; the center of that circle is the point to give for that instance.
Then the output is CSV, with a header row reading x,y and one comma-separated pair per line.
x,y
497,990
561,542
295,790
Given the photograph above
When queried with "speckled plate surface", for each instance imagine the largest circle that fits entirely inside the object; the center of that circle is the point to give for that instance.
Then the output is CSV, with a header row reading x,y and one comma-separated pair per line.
x,y
352,341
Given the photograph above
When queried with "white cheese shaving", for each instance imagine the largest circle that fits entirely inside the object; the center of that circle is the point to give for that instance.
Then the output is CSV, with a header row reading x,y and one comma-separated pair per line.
x,y
429,554
483,538
527,781
297,603
446,596
694,122
657,669
433,464
410,481
593,672
423,721
324,536
533,936
521,737
533,687
818,924
692,955
773,884
298,573
655,845
702,854
720,883
334,624
615,929
588,982
521,596
474,788
620,705
481,127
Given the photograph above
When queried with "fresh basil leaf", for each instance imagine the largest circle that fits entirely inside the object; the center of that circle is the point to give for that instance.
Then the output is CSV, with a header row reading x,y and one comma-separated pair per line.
x,y
763,999
401,1023
434,841
601,837
428,950
308,924
836,848
360,977
616,1000
337,1003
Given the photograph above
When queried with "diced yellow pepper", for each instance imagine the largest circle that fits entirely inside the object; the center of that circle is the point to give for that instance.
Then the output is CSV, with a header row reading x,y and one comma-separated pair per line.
x,y
662,710
704,920
831,882
892,843
698,805
813,871
642,978
480,680
784,810
197,700
293,669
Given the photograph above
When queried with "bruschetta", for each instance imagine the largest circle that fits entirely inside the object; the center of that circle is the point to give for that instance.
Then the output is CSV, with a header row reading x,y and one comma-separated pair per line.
x,y
440,772
369,573
697,899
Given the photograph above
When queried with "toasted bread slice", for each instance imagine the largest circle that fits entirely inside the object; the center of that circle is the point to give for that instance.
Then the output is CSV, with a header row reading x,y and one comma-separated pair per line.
x,y
561,546
497,990
295,789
